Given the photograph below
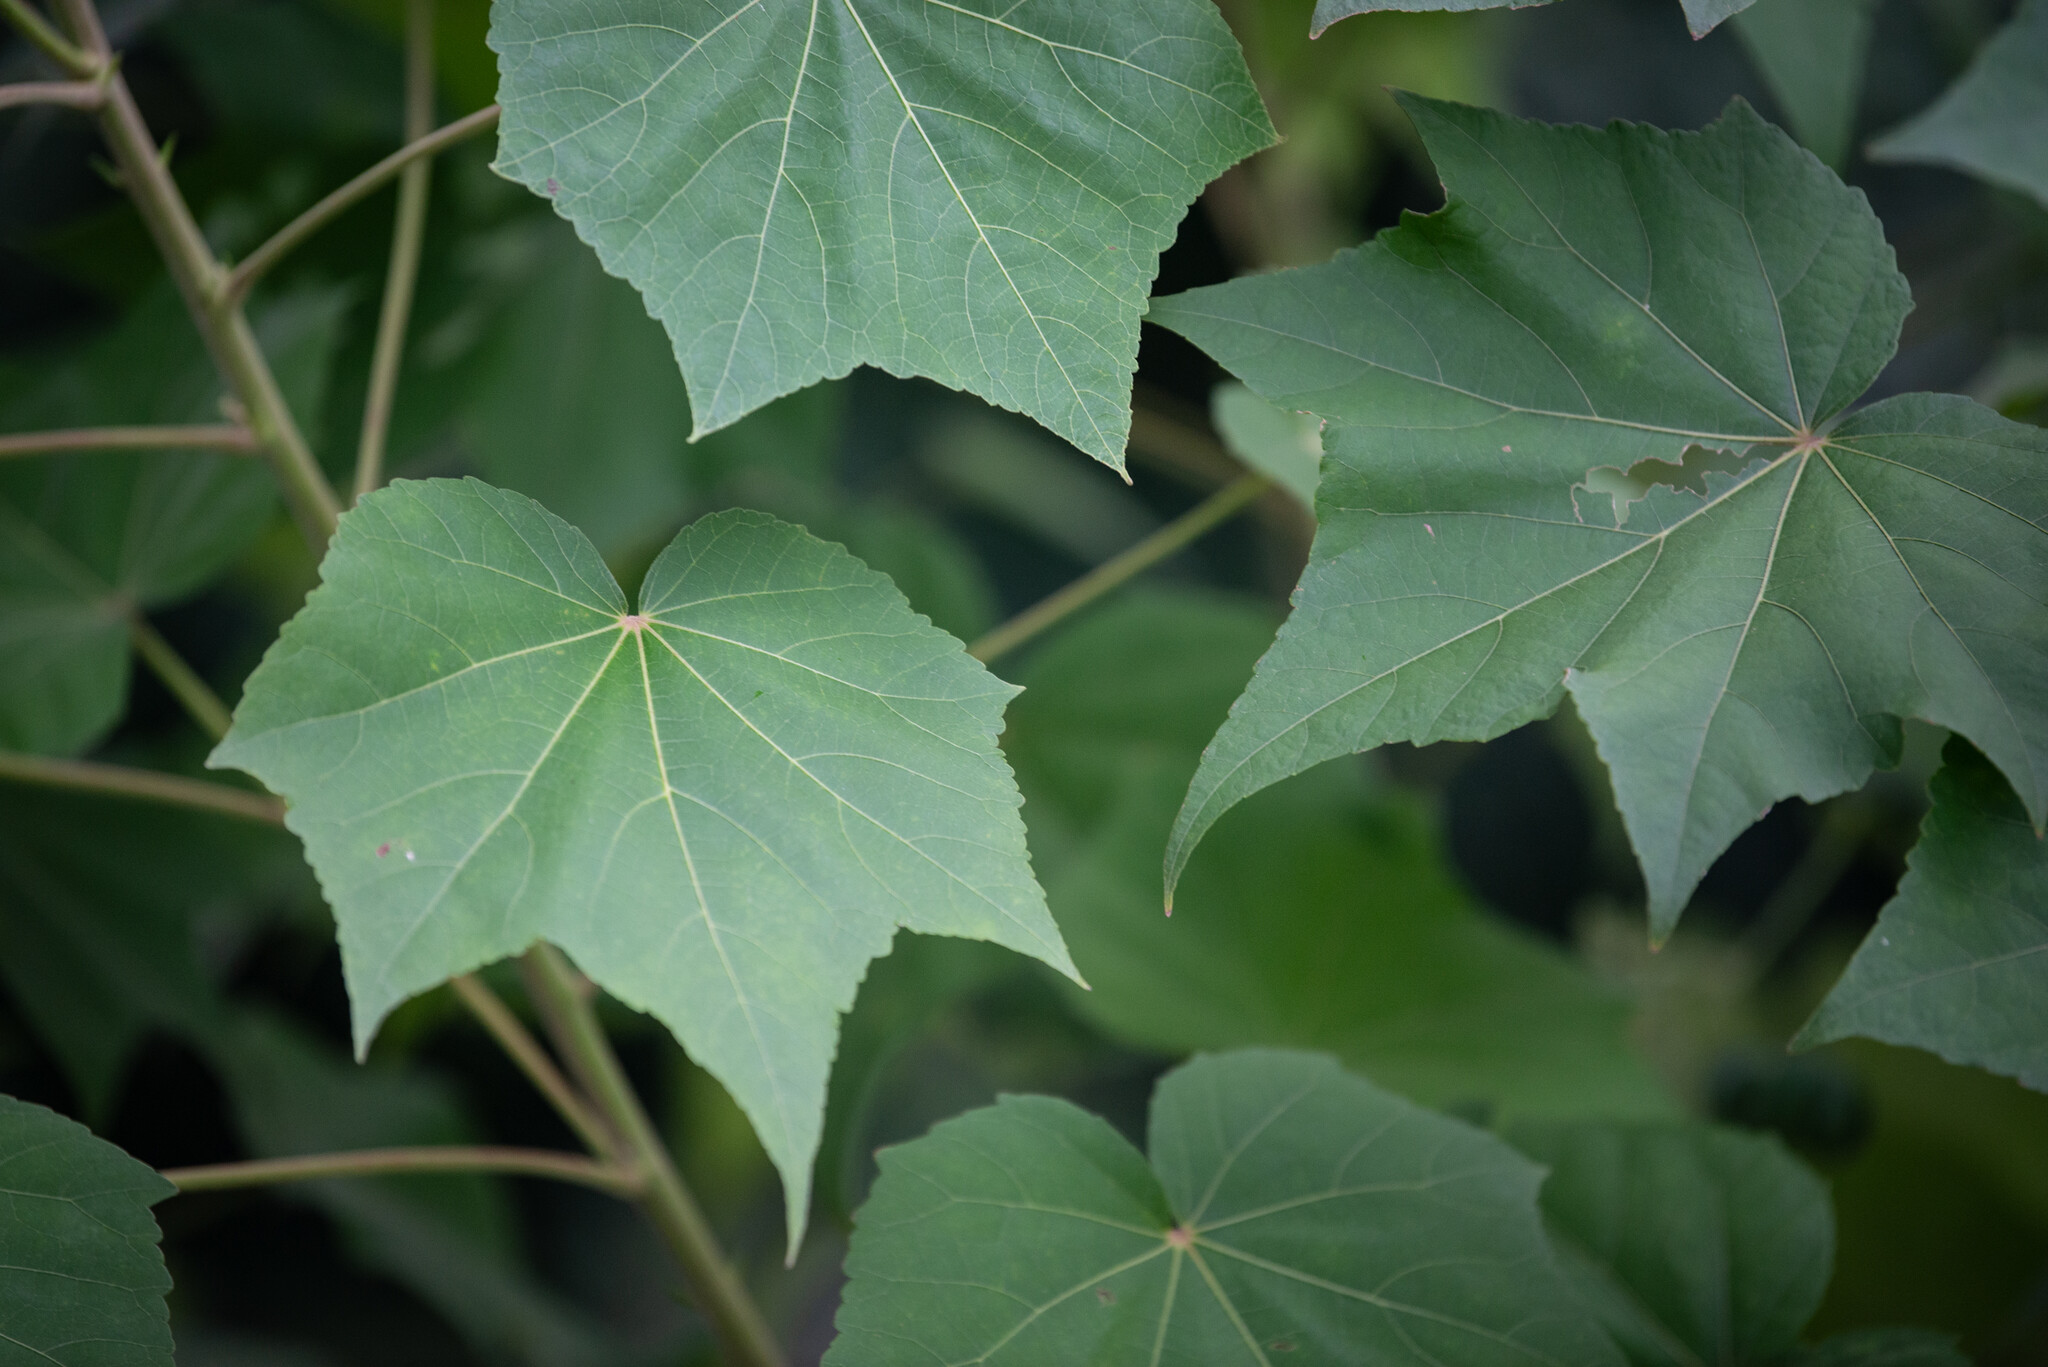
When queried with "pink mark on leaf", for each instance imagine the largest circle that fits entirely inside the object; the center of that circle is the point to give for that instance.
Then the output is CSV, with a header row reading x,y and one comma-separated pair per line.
x,y
1509,450
554,186
384,849
1431,530
1105,1295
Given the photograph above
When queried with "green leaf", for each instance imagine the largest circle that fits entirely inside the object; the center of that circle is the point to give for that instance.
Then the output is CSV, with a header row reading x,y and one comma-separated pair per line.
x,y
722,805
1288,1208
1811,53
974,192
1692,1244
1316,916
1285,447
1956,963
87,539
1594,303
1701,16
82,1281
576,365
1993,122
1885,1348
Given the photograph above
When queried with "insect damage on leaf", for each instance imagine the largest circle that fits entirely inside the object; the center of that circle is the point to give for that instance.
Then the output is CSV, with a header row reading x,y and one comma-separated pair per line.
x,y
1607,300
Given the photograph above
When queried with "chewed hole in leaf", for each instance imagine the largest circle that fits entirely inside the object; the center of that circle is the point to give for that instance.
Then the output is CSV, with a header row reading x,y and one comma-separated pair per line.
x,y
1626,488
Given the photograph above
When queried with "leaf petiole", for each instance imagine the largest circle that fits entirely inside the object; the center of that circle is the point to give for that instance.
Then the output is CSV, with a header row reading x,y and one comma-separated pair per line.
x,y
230,438
114,780
566,1167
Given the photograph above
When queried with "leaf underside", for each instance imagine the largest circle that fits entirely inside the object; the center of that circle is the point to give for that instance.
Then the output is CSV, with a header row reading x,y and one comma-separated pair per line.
x,y
1593,300
723,805
82,1281
1289,1213
1958,961
1701,16
976,192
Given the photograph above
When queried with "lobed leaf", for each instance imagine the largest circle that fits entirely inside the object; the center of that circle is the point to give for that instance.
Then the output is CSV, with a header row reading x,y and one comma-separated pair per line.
x,y
1811,53
82,1281
975,192
1701,16
1955,963
1597,303
722,804
1288,1208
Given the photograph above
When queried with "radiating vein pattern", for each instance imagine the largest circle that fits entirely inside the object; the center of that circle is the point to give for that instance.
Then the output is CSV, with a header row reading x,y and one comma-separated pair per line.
x,y
1593,303
1289,1213
722,804
976,192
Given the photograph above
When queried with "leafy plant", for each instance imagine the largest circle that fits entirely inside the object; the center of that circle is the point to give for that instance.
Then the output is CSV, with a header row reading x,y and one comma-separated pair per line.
x,y
654,822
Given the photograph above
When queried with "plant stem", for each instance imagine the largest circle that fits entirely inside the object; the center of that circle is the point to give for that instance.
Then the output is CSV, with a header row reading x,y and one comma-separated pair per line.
x,y
407,231
200,277
231,438
199,701
76,94
38,31
1174,536
567,1167
717,1288
1843,826
526,1051
113,780
260,261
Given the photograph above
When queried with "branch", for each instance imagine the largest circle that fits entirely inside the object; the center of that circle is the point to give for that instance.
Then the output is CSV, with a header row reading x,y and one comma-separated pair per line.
x,y
407,231
565,1167
1174,536
75,94
232,438
199,700
718,1290
525,1050
113,780
37,30
260,261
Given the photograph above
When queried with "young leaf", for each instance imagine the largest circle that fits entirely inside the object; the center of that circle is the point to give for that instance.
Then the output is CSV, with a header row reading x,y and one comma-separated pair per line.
x,y
1316,916
86,539
975,192
1955,963
1289,1212
723,803
1811,53
82,1281
1601,301
1691,1243
1994,121
1701,16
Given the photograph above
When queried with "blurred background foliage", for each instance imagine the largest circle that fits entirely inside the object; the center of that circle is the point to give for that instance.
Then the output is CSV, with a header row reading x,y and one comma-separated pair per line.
x,y
1461,923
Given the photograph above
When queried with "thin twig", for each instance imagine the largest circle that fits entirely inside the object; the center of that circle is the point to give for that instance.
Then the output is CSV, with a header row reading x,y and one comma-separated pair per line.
x,y
77,61
566,1167
717,1288
192,692
114,780
407,232
200,277
231,438
73,94
1174,536
260,261
526,1051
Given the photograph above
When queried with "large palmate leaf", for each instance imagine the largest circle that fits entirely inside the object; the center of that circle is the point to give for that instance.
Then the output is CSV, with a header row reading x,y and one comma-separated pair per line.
x,y
1958,960
82,1282
977,192
1994,121
1290,1212
1589,306
723,803
1319,915
1701,16
1692,1244
86,540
